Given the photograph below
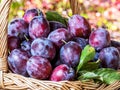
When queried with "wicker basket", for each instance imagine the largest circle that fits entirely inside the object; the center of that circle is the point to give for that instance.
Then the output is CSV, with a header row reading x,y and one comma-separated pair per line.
x,y
12,81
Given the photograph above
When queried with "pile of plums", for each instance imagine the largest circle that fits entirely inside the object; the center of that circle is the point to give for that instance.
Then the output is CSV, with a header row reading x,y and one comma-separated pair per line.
x,y
50,50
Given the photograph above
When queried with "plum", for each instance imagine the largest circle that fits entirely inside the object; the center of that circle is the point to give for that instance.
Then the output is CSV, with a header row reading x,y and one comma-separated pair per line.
x,y
31,13
13,43
62,72
82,42
39,67
57,36
56,61
78,26
110,57
115,43
118,49
55,25
19,28
70,54
44,48
17,61
26,46
99,39
39,27
96,57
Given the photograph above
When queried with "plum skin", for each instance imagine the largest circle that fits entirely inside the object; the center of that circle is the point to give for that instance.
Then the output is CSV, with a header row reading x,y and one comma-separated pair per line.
x,y
43,47
18,27
17,61
99,39
31,13
70,54
62,72
55,25
26,46
110,57
39,67
81,41
13,43
58,35
78,26
39,27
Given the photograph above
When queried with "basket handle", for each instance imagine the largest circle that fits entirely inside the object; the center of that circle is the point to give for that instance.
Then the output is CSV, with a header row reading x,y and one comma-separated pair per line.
x,y
75,6
4,12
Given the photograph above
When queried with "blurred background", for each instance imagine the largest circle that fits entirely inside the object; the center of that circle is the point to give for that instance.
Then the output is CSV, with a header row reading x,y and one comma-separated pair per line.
x,y
100,13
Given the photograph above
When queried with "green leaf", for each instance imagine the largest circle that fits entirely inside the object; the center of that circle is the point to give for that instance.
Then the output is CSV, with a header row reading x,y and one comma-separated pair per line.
x,y
90,66
87,54
108,75
105,75
88,75
54,16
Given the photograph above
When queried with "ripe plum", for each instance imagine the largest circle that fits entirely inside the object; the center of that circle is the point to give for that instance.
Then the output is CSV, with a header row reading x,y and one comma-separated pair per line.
x,y
57,36
99,39
78,26
62,72
39,27
18,27
44,48
110,57
13,43
17,61
31,13
70,54
39,67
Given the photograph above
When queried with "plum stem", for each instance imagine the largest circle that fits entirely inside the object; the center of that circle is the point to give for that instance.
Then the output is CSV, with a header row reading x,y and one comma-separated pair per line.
x,y
63,41
38,12
26,37
8,51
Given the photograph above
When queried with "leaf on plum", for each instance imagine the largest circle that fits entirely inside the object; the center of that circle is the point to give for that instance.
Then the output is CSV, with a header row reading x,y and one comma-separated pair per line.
x,y
90,66
54,16
87,54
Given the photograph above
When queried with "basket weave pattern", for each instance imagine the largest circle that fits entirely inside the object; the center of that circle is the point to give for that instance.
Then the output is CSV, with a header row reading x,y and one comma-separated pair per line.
x,y
12,81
